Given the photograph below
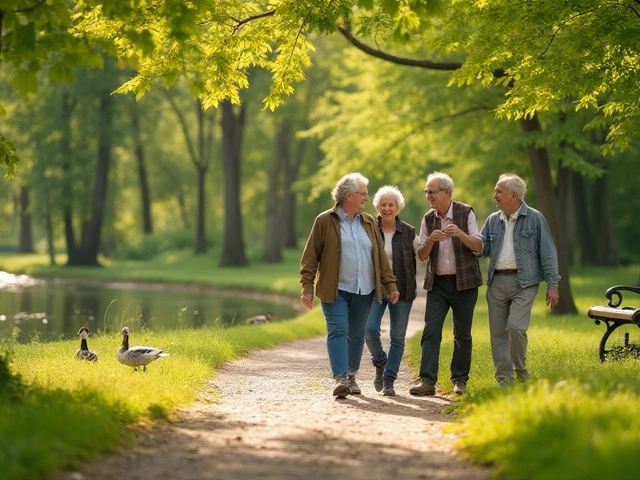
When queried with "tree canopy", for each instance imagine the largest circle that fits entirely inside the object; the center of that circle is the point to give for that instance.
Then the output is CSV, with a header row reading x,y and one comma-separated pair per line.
x,y
546,51
585,51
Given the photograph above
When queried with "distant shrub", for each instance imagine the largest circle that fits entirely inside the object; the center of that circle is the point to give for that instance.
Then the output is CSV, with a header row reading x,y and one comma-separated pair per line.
x,y
10,383
149,246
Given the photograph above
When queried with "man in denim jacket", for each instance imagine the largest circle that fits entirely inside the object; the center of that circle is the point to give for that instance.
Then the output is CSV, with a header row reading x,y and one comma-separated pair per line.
x,y
521,254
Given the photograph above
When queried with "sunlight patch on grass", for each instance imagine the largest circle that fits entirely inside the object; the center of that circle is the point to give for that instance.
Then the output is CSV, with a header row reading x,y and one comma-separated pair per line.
x,y
76,409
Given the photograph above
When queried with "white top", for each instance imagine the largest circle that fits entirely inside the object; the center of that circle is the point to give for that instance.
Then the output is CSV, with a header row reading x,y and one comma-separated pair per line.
x,y
507,258
388,247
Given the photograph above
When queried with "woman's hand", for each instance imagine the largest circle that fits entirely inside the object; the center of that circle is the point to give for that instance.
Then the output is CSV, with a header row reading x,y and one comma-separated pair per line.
x,y
307,300
394,297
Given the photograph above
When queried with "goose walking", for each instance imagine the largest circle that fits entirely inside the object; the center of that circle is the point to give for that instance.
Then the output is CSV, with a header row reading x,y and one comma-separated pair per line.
x,y
137,356
83,352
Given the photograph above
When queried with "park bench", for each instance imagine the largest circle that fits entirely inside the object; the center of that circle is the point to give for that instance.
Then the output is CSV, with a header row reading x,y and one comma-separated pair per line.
x,y
615,316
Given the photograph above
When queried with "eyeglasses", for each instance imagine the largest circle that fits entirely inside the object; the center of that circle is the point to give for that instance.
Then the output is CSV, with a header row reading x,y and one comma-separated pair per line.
x,y
364,194
433,192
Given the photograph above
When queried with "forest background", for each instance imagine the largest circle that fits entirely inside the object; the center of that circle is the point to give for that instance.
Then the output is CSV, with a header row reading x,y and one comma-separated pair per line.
x,y
393,89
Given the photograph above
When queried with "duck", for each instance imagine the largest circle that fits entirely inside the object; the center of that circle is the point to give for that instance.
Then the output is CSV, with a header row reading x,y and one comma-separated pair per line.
x,y
137,356
258,319
83,352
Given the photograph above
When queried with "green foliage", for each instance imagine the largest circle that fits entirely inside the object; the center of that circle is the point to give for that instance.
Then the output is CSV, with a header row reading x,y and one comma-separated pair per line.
x,y
8,156
74,410
549,52
577,418
149,246
10,383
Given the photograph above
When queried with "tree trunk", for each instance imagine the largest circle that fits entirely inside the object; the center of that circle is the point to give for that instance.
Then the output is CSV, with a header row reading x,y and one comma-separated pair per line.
x,y
539,160
67,189
25,244
51,250
587,241
90,246
606,253
145,198
233,253
289,206
274,226
205,142
566,210
201,237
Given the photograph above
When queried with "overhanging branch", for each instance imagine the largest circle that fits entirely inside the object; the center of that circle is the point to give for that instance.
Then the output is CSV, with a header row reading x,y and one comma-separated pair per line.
x,y
411,62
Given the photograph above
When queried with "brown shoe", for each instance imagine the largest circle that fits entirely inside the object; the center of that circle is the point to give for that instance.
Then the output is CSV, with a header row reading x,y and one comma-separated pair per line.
x,y
354,389
423,388
341,389
459,387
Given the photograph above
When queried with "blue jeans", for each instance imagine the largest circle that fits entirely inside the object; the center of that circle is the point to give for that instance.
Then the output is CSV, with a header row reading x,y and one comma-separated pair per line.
x,y
346,318
444,296
399,316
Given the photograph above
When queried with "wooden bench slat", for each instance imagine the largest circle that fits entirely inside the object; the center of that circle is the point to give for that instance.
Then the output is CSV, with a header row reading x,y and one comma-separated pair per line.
x,y
630,315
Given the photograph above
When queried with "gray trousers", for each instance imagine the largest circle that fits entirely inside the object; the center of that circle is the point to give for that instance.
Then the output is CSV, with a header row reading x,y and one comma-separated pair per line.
x,y
509,316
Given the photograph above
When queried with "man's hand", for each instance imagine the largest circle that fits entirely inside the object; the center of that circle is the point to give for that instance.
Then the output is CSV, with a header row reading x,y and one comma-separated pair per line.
x,y
394,297
307,300
438,236
552,297
453,231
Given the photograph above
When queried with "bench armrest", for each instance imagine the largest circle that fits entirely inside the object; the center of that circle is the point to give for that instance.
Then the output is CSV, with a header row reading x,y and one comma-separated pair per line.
x,y
616,292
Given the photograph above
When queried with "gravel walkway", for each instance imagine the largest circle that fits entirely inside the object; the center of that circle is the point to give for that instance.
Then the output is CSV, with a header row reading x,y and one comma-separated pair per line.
x,y
276,419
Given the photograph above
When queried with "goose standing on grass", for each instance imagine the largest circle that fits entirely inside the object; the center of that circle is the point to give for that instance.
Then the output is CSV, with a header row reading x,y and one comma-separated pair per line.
x,y
258,319
83,352
137,356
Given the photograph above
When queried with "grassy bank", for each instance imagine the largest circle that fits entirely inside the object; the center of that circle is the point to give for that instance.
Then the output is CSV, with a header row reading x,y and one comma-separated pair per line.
x,y
61,412
576,418
68,411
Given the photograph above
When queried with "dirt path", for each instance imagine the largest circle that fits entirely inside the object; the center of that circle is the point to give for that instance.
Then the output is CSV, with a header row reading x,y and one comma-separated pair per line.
x,y
277,420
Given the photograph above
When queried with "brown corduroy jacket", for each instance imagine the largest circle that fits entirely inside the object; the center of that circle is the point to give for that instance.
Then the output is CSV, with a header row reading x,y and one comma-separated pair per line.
x,y
321,257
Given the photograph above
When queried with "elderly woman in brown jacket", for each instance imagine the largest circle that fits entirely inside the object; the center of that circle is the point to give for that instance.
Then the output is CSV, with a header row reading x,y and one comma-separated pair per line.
x,y
345,253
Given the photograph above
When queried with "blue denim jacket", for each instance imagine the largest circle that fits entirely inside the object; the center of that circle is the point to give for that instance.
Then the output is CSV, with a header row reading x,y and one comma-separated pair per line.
x,y
535,251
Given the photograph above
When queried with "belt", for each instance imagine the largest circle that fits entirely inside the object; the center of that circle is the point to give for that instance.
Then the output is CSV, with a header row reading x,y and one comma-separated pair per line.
x,y
447,277
511,271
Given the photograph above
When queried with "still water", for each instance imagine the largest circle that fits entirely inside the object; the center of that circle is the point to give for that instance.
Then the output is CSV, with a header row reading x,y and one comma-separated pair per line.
x,y
54,309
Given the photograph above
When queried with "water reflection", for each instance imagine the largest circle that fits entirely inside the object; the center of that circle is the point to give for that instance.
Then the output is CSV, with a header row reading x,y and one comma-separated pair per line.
x,y
52,309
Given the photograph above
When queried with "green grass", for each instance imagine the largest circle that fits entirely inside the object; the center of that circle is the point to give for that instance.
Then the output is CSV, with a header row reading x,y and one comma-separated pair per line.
x,y
577,418
68,411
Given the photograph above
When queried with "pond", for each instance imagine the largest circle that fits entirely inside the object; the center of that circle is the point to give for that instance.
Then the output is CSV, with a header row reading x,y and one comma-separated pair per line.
x,y
54,308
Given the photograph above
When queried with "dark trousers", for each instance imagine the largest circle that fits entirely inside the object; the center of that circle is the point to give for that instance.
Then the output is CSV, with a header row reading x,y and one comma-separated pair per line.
x,y
443,296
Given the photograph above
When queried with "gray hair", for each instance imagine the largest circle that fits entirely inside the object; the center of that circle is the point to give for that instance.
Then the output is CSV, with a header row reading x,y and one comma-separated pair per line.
x,y
348,184
445,181
513,183
389,190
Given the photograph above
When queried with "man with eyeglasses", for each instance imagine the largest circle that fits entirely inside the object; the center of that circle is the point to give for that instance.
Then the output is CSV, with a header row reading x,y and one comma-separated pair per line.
x,y
521,254
448,239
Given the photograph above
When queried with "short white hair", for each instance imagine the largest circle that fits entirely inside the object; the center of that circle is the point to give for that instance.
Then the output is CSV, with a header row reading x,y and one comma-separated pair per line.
x,y
348,184
445,181
513,183
389,190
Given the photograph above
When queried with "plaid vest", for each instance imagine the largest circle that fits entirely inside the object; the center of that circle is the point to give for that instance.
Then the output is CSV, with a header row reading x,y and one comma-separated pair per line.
x,y
404,259
468,273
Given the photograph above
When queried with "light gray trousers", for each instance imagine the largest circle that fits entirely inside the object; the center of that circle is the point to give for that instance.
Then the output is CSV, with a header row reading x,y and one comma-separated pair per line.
x,y
509,316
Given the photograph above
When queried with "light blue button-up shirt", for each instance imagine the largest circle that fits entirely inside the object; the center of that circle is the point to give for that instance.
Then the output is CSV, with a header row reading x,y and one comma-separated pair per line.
x,y
357,271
